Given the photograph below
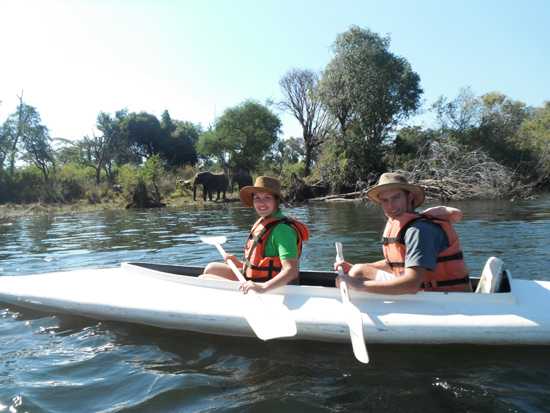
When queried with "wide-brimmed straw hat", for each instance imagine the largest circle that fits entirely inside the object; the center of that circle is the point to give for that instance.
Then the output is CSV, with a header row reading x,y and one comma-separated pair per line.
x,y
265,184
392,180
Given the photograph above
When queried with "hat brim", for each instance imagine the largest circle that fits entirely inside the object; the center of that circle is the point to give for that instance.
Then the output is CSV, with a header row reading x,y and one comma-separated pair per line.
x,y
247,192
418,192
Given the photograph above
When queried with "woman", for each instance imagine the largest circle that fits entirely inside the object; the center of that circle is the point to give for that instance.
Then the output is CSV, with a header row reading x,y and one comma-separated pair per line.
x,y
273,247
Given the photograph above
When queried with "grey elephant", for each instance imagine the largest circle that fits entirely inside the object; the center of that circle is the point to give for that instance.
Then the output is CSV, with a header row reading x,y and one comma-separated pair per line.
x,y
210,182
241,177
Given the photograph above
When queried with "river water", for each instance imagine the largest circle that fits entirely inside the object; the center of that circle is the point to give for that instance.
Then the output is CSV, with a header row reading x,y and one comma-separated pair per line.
x,y
51,363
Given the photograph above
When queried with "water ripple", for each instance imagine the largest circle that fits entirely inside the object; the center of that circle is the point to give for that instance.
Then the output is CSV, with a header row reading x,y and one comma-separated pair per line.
x,y
63,364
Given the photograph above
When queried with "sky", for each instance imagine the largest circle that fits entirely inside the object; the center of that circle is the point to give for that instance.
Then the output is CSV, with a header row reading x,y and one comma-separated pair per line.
x,y
73,59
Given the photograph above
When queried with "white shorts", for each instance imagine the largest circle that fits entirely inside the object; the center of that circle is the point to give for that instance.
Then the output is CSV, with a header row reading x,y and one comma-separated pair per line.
x,y
383,275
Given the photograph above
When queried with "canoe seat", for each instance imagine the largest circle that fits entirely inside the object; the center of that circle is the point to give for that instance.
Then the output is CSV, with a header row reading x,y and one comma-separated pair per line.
x,y
491,276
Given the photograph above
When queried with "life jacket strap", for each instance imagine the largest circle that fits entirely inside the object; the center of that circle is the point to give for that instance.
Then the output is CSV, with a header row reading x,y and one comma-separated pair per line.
x,y
457,256
270,270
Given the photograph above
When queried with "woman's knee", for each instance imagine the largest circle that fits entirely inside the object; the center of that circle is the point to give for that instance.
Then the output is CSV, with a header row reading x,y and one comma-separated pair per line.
x,y
212,268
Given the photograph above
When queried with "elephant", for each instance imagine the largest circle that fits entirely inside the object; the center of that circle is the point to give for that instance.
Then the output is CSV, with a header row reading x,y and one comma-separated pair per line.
x,y
210,182
241,177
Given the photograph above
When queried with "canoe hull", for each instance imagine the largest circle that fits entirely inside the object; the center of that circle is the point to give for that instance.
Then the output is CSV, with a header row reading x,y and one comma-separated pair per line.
x,y
136,294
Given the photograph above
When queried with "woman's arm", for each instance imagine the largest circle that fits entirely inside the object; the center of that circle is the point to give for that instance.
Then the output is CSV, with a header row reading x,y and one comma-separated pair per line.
x,y
289,272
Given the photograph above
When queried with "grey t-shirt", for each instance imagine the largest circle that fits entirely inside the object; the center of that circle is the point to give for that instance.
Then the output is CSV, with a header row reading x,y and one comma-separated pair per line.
x,y
424,240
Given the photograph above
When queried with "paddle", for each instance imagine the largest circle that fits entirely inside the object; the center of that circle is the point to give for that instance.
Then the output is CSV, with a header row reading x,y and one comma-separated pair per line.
x,y
353,315
267,319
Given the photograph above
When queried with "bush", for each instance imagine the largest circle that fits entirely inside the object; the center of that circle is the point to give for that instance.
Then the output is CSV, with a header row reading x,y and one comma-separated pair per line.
x,y
26,186
73,179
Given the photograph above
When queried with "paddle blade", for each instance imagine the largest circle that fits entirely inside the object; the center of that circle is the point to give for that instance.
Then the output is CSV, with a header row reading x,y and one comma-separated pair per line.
x,y
267,319
355,324
214,240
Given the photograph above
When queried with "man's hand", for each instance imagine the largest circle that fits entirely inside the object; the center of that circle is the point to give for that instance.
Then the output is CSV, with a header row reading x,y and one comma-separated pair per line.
x,y
352,282
346,266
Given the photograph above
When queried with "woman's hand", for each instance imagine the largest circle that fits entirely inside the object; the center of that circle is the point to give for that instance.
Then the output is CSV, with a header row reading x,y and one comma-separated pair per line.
x,y
228,257
251,285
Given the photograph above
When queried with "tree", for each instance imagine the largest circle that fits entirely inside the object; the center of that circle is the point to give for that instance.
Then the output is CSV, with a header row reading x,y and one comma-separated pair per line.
x,y
534,136
178,141
459,115
144,134
408,142
286,152
369,90
101,151
242,136
501,119
368,85
302,100
212,145
26,138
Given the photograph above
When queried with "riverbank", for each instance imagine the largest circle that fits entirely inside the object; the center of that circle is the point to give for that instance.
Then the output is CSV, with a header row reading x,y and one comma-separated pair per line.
x,y
8,211
15,210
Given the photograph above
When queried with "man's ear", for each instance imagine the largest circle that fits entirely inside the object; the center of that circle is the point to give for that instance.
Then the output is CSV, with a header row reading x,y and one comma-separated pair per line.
x,y
410,200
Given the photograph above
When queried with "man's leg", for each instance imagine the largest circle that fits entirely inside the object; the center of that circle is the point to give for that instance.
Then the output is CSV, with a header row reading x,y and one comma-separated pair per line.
x,y
370,272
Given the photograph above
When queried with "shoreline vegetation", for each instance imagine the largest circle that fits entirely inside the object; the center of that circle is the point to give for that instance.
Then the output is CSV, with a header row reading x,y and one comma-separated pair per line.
x,y
355,120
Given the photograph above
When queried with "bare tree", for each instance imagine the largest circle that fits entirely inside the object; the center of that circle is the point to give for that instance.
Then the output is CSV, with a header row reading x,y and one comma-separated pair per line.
x,y
302,101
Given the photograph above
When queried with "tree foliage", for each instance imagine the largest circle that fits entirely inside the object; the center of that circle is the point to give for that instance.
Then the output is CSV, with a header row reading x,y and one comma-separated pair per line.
x,y
367,85
369,90
242,136
25,138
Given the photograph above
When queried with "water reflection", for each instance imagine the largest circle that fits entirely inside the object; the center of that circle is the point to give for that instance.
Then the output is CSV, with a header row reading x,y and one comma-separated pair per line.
x,y
515,231
50,363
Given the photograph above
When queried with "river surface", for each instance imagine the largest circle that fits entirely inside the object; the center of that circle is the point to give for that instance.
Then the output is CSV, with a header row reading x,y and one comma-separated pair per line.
x,y
51,363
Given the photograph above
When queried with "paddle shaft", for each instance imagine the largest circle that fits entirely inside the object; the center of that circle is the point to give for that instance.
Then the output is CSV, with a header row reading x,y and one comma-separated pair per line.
x,y
355,320
343,285
230,263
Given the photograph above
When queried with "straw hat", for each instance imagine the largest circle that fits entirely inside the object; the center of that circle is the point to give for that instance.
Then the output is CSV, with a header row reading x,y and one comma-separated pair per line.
x,y
392,180
265,184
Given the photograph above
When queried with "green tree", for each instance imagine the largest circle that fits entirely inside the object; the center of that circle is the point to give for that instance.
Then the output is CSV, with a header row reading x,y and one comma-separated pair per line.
x,y
460,115
212,145
534,136
369,90
368,85
501,119
285,152
407,143
179,139
143,133
152,172
242,136
25,138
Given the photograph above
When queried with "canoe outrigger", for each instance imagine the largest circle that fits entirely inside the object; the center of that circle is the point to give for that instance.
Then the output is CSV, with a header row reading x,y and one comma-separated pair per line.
x,y
503,311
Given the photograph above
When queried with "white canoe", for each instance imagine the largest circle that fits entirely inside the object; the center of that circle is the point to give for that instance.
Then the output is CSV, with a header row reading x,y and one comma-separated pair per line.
x,y
173,297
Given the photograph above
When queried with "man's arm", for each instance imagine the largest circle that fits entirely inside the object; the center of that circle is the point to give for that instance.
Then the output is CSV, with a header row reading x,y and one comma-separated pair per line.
x,y
367,270
408,283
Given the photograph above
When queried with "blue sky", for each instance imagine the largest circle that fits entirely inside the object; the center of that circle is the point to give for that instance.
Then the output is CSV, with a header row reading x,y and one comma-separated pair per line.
x,y
73,59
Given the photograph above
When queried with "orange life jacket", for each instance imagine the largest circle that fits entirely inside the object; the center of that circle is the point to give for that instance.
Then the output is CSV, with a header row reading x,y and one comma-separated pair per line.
x,y
256,265
450,273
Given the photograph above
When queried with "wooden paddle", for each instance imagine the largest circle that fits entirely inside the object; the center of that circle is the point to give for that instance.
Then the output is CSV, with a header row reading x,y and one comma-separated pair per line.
x,y
266,318
353,315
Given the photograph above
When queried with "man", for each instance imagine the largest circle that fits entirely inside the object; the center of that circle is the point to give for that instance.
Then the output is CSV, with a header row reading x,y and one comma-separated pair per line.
x,y
421,251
